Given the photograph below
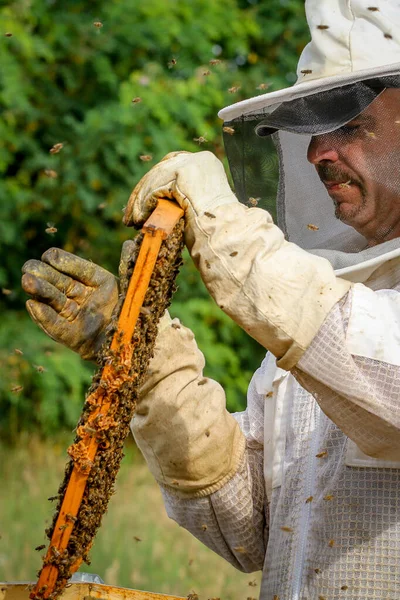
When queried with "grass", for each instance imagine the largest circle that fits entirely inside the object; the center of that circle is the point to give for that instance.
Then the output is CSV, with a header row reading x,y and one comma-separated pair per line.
x,y
137,546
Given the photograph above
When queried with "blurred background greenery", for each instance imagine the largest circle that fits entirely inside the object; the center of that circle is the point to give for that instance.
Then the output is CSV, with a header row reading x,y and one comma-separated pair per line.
x,y
118,84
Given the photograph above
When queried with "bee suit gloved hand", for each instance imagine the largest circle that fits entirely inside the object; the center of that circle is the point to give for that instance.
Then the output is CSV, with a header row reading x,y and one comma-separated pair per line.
x,y
279,293
72,298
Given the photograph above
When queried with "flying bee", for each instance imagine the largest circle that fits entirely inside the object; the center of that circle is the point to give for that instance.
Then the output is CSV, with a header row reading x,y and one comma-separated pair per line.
x,y
234,89
56,148
229,130
41,547
253,201
18,351
39,368
136,100
328,497
312,227
323,27
6,291
172,63
137,539
50,173
215,61
17,388
252,583
51,230
262,86
146,157
306,71
8,34
287,529
206,73
201,140
98,24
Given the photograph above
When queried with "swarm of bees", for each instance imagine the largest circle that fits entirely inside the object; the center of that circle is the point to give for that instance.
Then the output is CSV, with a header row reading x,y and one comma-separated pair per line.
x,y
113,430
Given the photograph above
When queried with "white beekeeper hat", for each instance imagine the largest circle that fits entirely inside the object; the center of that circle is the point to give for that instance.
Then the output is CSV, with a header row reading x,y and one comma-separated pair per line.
x,y
353,56
351,40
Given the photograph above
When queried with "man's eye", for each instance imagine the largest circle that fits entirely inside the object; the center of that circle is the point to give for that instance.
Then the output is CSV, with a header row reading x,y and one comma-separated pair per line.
x,y
349,129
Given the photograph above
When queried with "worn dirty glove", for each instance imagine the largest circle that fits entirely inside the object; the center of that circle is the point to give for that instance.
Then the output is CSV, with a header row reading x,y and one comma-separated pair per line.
x,y
191,443
72,298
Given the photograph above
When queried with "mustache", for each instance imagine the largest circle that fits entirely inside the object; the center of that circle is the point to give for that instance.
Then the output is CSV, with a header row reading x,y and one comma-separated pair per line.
x,y
332,173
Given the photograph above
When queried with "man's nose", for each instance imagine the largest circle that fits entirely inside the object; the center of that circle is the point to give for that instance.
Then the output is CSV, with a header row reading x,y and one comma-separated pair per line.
x,y
322,148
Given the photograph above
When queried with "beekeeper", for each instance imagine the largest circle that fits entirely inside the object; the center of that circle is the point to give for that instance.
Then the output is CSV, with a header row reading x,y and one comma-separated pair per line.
x,y
305,483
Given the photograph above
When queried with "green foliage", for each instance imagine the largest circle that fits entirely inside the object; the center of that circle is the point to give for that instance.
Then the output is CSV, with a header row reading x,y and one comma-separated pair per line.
x,y
53,381
64,80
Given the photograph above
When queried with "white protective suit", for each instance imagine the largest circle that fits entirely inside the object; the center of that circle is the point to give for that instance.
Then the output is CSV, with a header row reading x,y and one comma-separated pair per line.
x,y
307,487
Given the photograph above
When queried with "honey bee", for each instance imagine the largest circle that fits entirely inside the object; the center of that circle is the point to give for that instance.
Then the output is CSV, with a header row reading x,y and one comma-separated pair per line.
x,y
136,100
201,140
370,134
98,24
206,73
275,597
6,291
17,388
39,368
204,527
269,394
328,497
41,547
172,63
50,173
388,36
262,86
322,454
373,8
146,157
317,571
234,89
215,61
309,499
229,130
56,148
323,27
253,201
312,227
287,529
8,34
137,539
306,71
209,215
51,230
18,351
344,588
240,549
331,543
252,583
192,596
234,253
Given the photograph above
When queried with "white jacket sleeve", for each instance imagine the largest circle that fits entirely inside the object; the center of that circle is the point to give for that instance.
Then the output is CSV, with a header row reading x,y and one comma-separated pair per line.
x,y
352,368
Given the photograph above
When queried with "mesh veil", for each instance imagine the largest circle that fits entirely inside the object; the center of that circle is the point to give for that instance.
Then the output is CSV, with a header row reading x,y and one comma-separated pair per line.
x,y
274,171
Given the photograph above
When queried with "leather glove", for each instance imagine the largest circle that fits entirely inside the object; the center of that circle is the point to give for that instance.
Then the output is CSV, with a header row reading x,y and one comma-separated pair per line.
x,y
197,181
72,298
277,292
191,443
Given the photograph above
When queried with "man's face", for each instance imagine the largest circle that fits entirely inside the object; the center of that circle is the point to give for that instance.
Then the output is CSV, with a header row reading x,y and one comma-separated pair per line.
x,y
359,166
